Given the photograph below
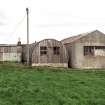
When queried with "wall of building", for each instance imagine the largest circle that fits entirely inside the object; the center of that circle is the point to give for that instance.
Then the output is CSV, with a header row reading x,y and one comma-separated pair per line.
x,y
10,53
24,52
77,51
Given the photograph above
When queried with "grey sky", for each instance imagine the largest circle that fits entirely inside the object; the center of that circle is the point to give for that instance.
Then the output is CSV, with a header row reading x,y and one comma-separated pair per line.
x,y
49,18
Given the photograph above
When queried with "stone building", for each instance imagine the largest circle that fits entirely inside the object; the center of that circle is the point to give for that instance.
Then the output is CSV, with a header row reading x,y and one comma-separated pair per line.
x,y
86,50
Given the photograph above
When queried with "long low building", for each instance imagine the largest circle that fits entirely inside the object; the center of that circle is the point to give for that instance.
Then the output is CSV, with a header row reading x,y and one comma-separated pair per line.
x,y
85,50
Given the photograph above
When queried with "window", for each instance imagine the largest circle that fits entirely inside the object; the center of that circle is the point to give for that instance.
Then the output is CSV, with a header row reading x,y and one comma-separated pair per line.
x,y
1,49
56,50
88,50
43,50
6,49
94,50
99,50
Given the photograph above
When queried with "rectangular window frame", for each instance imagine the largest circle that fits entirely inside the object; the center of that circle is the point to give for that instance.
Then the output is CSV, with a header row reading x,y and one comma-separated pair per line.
x,y
90,50
56,50
43,50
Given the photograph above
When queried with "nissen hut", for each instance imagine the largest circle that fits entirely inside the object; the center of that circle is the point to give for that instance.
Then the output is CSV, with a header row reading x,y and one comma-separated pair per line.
x,y
49,52
86,50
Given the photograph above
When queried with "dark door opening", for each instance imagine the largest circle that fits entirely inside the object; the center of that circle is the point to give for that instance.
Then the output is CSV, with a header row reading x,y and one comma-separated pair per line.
x,y
69,63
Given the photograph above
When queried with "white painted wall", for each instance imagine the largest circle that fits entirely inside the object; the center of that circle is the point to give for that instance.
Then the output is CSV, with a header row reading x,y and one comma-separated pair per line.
x,y
12,57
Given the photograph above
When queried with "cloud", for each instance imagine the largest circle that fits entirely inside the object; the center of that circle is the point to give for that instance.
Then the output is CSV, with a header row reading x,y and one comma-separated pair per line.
x,y
2,23
2,17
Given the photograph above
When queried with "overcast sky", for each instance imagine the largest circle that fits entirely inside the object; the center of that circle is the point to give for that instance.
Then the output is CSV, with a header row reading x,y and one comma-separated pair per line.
x,y
56,19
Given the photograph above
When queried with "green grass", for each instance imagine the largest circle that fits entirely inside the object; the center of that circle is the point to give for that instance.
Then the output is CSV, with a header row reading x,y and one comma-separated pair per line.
x,y
21,85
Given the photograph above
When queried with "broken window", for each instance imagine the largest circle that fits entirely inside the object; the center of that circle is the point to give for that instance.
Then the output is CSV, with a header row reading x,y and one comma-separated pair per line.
x,y
56,50
88,50
43,50
94,50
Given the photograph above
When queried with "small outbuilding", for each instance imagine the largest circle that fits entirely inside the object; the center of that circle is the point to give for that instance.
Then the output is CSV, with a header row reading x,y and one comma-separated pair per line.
x,y
10,52
49,52
86,50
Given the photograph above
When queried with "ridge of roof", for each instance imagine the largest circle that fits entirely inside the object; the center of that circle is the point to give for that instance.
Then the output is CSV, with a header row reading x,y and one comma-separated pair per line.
x,y
76,37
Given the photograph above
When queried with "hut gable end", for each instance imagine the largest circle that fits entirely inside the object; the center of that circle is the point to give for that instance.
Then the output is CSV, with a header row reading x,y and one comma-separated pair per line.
x,y
92,36
49,52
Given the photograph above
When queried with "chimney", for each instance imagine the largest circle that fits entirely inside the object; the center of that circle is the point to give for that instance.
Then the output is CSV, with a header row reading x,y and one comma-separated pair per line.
x,y
19,42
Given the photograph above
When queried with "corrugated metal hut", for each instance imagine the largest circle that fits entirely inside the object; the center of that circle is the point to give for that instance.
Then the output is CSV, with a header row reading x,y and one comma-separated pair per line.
x,y
49,52
86,50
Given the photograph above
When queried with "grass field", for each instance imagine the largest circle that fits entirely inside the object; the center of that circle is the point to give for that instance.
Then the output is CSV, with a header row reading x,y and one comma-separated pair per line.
x,y
21,85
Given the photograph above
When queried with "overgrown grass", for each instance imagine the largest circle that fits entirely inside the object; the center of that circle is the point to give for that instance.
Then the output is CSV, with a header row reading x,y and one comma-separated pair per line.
x,y
21,85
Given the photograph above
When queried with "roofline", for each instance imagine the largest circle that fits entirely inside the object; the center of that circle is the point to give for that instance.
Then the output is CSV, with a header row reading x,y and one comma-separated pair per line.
x,y
5,45
81,36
